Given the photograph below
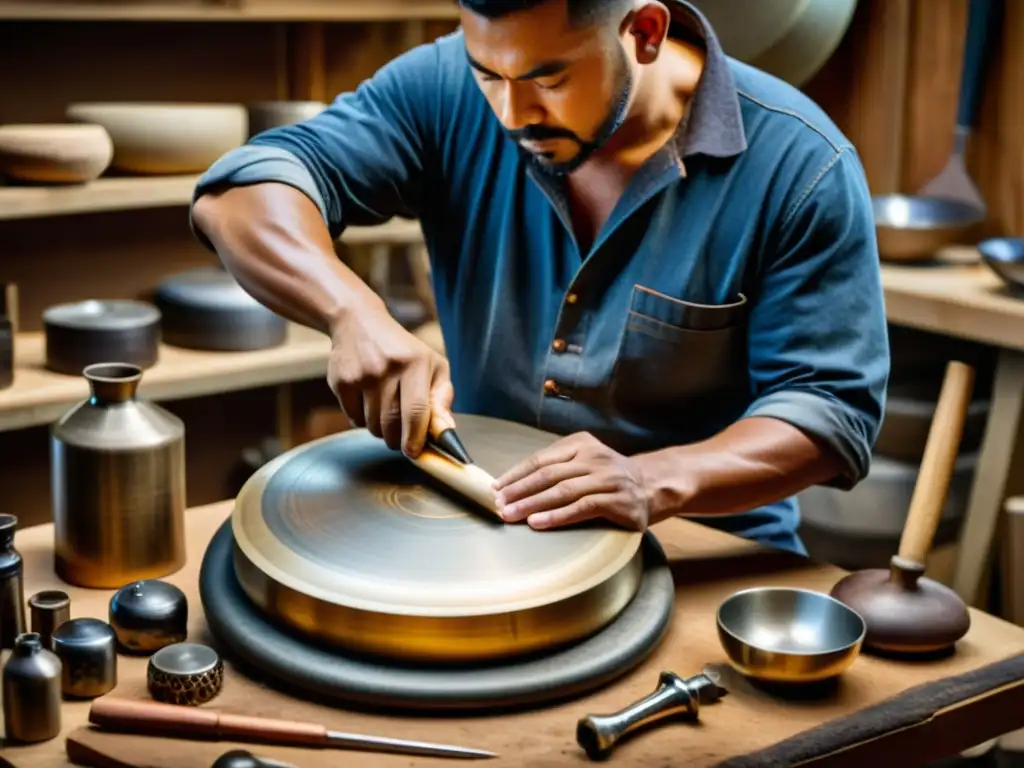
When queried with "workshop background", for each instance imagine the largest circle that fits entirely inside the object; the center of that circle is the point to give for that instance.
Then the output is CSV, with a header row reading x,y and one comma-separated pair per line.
x,y
888,71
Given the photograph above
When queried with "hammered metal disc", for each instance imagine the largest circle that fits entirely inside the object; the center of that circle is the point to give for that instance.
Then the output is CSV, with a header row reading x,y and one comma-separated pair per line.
x,y
273,655
350,542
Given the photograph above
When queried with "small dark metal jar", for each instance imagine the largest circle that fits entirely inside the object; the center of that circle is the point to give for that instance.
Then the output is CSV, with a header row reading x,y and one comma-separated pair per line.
x,y
88,332
31,692
49,609
12,589
149,615
87,649
186,674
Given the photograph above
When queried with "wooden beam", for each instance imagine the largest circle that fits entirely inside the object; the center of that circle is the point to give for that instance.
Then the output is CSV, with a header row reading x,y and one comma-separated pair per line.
x,y
307,63
243,10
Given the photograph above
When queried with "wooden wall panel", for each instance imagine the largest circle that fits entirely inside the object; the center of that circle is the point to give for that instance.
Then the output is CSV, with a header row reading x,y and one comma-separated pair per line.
x,y
863,87
117,255
997,156
904,147
936,58
44,66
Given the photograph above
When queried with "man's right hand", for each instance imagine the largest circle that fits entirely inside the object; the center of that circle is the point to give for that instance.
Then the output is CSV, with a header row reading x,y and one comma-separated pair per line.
x,y
389,381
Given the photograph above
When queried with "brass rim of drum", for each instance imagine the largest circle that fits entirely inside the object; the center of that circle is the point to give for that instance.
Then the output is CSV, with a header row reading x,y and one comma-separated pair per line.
x,y
565,600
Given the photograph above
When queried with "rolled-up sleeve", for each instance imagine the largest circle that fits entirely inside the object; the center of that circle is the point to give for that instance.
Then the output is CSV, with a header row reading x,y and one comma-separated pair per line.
x,y
363,160
818,341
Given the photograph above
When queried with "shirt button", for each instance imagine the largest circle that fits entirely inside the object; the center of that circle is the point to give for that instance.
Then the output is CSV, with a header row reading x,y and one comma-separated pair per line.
x,y
550,387
558,345
572,298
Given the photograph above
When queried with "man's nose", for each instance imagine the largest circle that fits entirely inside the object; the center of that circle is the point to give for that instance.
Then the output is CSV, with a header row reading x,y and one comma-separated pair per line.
x,y
518,110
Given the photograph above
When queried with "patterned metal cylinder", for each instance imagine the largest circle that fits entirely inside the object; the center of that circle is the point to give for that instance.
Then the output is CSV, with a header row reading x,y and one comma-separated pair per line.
x,y
187,674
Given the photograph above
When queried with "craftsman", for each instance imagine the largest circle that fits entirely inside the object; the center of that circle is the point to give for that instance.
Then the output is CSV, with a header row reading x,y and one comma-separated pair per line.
x,y
661,254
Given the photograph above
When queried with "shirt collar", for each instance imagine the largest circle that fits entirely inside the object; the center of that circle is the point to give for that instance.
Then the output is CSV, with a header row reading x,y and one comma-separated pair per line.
x,y
714,123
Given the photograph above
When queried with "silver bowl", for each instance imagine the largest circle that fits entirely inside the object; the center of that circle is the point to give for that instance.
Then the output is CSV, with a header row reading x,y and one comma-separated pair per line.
x,y
788,635
1005,257
913,228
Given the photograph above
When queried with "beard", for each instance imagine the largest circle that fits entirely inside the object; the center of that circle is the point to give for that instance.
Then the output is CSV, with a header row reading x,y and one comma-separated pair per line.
x,y
587,147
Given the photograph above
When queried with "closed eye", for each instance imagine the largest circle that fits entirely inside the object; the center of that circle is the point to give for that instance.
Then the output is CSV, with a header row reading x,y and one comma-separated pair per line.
x,y
553,86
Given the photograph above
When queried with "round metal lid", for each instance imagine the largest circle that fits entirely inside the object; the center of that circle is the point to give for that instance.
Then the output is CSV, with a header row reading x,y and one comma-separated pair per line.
x,y
347,521
182,659
102,315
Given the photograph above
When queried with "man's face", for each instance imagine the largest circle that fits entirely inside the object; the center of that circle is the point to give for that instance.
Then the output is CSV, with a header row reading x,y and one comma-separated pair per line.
x,y
559,92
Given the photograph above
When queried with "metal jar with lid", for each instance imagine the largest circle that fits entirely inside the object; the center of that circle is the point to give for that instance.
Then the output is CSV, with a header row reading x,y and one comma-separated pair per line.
x,y
118,484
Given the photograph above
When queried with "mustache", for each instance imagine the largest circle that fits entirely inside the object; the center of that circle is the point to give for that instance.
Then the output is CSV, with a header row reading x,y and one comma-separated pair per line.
x,y
541,133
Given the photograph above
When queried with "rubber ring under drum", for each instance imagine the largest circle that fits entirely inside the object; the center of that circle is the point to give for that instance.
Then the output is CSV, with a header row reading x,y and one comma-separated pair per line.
x,y
293,662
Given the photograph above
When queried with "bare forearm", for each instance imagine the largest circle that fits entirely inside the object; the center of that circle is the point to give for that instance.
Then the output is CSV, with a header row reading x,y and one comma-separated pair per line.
x,y
272,238
754,462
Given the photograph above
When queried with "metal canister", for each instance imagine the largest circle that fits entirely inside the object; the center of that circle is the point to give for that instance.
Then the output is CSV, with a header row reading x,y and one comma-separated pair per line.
x,y
87,649
118,482
12,589
49,609
32,692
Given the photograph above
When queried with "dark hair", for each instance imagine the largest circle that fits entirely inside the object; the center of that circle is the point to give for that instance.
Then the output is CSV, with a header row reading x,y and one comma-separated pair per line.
x,y
581,12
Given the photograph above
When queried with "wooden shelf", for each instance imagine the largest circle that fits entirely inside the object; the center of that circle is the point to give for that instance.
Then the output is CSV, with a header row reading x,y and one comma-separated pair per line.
x,y
114,194
228,10
125,194
957,296
39,396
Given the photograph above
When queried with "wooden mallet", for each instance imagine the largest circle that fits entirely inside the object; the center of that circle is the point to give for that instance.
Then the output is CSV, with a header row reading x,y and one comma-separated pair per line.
x,y
906,613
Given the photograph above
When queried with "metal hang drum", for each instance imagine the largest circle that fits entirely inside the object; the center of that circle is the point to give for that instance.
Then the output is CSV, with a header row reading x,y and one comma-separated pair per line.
x,y
118,484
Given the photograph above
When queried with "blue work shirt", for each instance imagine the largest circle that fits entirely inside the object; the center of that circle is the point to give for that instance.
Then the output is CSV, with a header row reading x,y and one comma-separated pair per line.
x,y
737,276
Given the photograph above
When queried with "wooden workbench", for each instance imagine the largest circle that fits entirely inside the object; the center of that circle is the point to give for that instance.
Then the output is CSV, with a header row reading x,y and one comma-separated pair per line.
x,y
708,566
959,296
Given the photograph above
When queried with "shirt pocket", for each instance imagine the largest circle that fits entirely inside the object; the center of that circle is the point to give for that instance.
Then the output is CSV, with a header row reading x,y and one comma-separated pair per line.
x,y
676,354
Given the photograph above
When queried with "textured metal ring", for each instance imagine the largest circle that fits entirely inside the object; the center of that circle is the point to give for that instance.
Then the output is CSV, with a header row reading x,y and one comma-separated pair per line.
x,y
187,674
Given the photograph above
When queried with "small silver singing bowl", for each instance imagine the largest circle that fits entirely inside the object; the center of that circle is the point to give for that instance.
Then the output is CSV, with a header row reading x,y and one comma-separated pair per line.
x,y
914,228
787,635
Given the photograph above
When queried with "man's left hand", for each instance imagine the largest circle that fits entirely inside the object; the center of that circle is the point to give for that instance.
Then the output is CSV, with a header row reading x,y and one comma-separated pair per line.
x,y
576,479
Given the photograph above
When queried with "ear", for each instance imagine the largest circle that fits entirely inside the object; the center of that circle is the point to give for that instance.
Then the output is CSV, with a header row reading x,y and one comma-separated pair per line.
x,y
649,27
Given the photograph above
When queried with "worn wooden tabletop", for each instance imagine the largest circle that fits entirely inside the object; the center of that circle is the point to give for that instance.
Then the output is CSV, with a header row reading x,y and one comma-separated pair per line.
x,y
708,566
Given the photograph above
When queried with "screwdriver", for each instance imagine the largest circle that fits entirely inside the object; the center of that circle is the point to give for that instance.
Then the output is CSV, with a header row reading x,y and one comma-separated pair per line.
x,y
157,719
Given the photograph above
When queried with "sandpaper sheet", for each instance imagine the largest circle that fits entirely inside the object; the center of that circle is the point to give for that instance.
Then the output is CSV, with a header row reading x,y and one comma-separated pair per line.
x,y
708,565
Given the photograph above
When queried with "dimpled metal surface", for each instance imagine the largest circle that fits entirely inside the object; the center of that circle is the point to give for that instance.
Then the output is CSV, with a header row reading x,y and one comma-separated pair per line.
x,y
350,542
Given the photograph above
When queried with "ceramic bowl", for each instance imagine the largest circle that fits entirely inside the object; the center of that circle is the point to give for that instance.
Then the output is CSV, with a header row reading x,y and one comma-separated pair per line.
x,y
54,153
155,138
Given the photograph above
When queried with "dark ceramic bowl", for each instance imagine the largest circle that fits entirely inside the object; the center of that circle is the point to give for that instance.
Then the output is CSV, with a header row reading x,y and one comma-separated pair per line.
x,y
1005,257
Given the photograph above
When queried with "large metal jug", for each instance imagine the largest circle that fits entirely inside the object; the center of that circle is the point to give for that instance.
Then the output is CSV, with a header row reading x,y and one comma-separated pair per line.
x,y
118,484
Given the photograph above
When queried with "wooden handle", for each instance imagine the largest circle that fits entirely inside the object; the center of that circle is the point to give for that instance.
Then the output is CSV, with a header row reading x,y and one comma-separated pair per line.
x,y
154,718
940,454
468,480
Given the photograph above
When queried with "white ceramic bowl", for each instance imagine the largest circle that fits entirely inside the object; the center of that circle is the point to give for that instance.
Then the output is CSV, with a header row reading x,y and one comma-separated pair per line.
x,y
162,138
54,153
